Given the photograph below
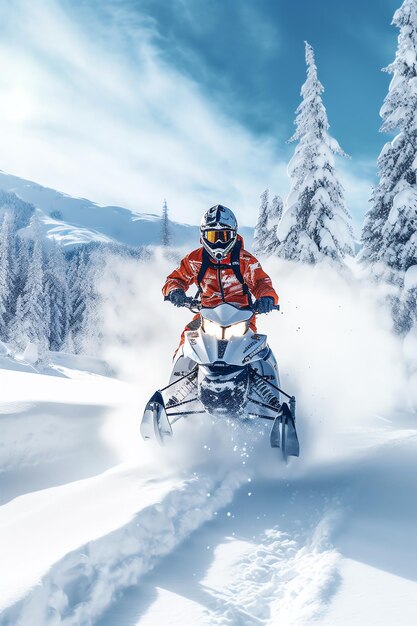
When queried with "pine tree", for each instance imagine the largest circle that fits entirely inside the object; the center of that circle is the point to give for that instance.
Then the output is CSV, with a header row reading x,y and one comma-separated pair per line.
x,y
77,280
274,218
21,254
59,300
165,228
261,228
316,223
35,302
389,234
91,335
22,210
68,345
17,333
7,264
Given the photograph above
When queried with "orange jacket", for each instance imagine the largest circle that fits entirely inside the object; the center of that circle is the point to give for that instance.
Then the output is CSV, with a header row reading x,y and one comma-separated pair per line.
x,y
222,285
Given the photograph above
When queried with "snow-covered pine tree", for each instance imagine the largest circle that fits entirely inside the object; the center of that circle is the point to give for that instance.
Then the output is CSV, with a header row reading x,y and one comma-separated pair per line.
x,y
404,305
261,229
59,300
77,280
7,249
22,253
35,302
20,271
165,226
22,210
274,218
316,223
390,230
16,332
91,335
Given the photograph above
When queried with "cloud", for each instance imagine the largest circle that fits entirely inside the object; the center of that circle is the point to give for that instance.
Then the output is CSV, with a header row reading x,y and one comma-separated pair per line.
x,y
89,105
104,116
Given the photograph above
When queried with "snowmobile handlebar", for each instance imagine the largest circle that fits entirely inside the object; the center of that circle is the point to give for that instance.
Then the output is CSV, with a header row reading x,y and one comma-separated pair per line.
x,y
194,304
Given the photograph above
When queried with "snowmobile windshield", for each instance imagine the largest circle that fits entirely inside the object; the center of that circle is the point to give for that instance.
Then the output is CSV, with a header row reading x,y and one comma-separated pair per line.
x,y
226,314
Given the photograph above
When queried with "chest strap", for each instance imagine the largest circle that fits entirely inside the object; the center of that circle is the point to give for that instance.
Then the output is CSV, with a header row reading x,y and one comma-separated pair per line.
x,y
233,265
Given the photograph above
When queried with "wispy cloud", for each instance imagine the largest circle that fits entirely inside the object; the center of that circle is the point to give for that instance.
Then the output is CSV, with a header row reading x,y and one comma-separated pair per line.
x,y
88,106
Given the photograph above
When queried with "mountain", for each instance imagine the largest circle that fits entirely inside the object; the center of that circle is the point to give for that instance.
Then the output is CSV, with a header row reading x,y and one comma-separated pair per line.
x,y
74,221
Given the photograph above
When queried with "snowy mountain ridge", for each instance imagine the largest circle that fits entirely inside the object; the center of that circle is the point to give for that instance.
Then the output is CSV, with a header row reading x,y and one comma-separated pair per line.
x,y
75,221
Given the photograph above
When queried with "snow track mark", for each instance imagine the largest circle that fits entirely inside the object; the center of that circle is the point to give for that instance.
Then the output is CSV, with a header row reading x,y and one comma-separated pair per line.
x,y
79,587
281,580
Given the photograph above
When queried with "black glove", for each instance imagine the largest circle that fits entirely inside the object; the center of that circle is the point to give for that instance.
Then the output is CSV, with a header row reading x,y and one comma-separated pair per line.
x,y
264,304
177,297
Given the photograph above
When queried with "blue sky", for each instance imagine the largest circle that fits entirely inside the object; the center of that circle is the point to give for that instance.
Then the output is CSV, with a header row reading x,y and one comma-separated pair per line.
x,y
248,55
129,101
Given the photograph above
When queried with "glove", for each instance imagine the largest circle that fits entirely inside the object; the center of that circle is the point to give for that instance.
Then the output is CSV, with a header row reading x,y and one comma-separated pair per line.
x,y
265,304
177,297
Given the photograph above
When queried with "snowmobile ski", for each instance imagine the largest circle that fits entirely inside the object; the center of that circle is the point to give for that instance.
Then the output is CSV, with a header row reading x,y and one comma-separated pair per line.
x,y
289,439
155,423
275,437
283,433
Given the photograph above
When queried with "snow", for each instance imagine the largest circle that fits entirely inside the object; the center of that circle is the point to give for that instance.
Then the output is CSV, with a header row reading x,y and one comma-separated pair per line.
x,y
321,196
380,597
82,221
410,277
31,353
69,235
51,418
406,197
288,221
326,239
410,349
128,524
410,57
393,215
100,528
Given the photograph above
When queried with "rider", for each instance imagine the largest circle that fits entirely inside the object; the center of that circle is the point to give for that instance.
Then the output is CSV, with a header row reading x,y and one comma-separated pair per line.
x,y
222,270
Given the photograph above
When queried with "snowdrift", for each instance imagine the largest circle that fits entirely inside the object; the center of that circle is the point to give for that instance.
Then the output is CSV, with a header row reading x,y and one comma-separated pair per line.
x,y
79,587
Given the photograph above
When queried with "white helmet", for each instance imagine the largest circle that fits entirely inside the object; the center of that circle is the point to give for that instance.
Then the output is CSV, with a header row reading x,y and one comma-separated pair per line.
x,y
218,230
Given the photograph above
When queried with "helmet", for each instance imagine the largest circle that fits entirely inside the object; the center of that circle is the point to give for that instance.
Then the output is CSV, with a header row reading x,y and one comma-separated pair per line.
x,y
218,230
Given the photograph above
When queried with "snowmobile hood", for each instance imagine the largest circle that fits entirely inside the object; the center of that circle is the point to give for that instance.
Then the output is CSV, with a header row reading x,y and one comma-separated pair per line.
x,y
226,314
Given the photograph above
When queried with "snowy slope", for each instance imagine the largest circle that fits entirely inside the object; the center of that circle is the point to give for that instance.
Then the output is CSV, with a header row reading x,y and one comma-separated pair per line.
x,y
282,550
213,530
125,518
72,221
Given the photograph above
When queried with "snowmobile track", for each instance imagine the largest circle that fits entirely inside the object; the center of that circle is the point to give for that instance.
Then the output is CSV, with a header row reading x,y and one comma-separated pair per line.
x,y
80,586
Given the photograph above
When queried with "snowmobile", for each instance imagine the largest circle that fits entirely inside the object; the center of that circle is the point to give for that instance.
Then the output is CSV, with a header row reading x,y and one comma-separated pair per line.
x,y
225,370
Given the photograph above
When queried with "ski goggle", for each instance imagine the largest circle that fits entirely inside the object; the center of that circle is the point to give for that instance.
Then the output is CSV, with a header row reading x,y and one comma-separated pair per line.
x,y
224,235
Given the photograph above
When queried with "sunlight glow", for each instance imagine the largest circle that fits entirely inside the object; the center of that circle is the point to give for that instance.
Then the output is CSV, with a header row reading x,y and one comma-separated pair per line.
x,y
16,106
